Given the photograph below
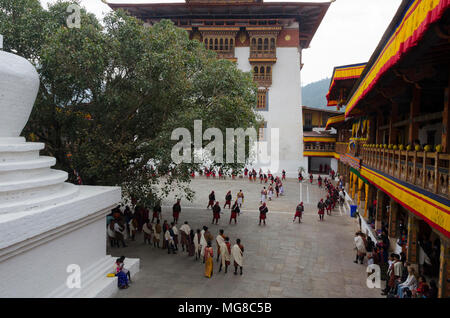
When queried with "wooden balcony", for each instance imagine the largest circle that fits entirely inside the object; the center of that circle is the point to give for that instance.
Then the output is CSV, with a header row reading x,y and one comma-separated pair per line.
x,y
323,147
263,80
428,170
255,54
225,54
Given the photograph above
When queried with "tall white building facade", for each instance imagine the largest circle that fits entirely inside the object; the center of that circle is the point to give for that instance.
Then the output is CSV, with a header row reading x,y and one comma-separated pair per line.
x,y
265,38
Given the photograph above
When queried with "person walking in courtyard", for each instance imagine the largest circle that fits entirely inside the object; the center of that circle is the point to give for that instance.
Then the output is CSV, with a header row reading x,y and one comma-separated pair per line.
x,y
277,189
185,230
328,205
190,243
175,235
197,244
168,237
263,213
360,248
283,175
176,209
220,239
321,207
299,212
240,198
311,178
147,228
212,199
209,254
319,181
300,177
156,233
238,256
228,199
119,233
225,252
216,212
165,228
234,212
263,195
281,188
270,192
157,212
133,225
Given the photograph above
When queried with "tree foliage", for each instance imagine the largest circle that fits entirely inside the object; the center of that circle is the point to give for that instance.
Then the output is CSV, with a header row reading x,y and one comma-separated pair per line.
x,y
111,94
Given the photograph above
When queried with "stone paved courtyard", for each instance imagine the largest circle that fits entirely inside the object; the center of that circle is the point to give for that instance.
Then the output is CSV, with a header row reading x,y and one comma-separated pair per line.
x,y
282,259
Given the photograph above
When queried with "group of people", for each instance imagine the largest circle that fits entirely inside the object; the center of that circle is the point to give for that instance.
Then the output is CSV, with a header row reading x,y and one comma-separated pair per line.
x,y
402,279
334,195
217,210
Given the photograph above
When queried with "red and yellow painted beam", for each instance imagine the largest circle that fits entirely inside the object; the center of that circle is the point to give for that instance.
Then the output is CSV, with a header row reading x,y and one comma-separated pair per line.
x,y
319,139
433,209
307,153
335,120
342,73
411,28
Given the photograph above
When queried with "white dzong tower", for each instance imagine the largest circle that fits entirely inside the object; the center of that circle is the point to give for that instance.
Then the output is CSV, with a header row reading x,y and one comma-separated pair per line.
x,y
52,233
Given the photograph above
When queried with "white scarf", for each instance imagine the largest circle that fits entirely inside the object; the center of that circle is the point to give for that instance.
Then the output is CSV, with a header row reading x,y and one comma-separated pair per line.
x,y
185,228
196,243
168,237
224,254
220,240
146,229
237,255
203,242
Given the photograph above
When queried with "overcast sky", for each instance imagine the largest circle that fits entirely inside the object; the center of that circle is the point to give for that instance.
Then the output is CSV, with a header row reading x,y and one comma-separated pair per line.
x,y
349,33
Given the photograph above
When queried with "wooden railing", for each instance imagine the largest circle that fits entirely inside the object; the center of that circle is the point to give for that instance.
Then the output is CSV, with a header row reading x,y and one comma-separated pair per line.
x,y
341,147
263,80
428,170
263,54
325,147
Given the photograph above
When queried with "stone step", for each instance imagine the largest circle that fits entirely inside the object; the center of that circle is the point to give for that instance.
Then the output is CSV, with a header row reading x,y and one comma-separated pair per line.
x,y
51,178
61,193
41,162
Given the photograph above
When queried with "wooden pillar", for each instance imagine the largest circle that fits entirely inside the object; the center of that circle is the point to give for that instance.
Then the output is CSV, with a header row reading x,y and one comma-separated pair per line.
x,y
379,212
367,198
446,121
379,133
393,119
360,185
444,270
412,253
414,110
393,213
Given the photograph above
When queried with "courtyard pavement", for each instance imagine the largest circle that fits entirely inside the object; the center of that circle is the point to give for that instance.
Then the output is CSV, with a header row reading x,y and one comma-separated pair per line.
x,y
281,259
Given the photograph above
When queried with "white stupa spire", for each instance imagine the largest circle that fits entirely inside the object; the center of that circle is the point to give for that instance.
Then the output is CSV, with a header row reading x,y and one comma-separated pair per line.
x,y
26,180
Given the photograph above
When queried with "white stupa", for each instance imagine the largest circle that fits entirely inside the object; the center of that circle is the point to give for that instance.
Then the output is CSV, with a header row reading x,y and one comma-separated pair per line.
x,y
48,228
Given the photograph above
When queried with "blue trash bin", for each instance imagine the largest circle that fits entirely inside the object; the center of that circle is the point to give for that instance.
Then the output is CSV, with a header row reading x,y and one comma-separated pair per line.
x,y
353,210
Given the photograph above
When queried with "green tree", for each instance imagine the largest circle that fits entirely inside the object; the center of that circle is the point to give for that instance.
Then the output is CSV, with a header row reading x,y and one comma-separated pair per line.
x,y
112,93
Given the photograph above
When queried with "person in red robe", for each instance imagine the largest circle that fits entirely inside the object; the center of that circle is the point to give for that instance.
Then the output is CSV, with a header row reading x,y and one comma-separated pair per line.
x,y
176,209
263,213
310,178
216,213
234,212
321,207
299,212
283,175
319,181
212,199
228,198
156,212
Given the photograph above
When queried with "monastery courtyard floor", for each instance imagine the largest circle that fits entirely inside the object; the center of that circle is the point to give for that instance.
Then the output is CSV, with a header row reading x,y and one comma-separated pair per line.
x,y
281,259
